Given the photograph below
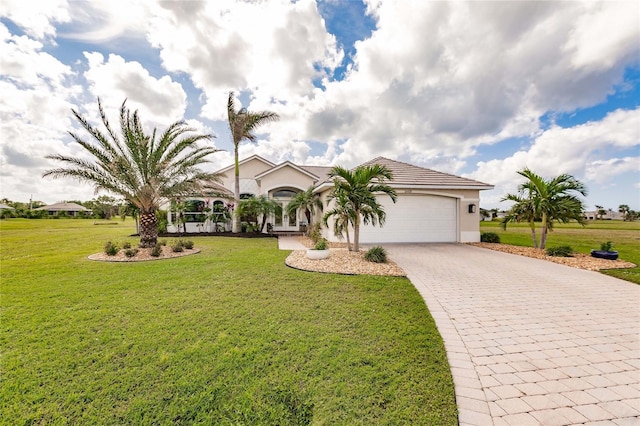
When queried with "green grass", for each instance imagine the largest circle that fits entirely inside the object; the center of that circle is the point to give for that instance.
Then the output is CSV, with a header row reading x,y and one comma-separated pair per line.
x,y
227,336
624,235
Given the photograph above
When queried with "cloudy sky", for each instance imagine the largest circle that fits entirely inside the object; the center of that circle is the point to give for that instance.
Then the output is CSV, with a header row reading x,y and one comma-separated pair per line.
x,y
478,89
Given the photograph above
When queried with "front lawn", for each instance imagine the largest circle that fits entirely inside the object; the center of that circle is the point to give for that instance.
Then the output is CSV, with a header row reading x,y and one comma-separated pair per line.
x,y
624,235
227,336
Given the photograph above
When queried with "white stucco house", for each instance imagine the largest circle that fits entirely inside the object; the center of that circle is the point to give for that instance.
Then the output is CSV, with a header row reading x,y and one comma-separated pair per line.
x,y
431,206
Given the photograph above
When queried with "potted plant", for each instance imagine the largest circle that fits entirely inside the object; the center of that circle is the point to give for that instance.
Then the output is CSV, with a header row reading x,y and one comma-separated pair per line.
x,y
319,251
605,252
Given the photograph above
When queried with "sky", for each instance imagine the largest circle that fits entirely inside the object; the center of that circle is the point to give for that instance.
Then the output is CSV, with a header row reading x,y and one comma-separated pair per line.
x,y
477,89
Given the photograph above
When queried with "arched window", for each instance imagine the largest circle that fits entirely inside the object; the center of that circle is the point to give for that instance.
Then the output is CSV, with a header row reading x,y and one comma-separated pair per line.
x,y
284,193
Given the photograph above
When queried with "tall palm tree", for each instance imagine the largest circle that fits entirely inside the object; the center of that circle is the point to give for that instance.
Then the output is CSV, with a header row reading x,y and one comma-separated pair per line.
x,y
144,169
359,186
547,201
243,124
306,200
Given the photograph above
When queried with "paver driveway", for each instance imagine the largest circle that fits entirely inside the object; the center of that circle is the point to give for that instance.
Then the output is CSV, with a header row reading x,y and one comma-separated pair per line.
x,y
529,341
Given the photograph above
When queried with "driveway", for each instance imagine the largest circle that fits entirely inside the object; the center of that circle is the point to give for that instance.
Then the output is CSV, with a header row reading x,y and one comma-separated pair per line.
x,y
529,341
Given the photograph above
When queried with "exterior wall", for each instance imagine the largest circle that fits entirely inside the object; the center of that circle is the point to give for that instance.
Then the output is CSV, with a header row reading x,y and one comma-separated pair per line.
x,y
285,177
248,170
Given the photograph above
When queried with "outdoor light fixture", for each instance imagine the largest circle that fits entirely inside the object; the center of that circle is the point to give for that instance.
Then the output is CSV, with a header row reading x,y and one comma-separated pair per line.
x,y
472,208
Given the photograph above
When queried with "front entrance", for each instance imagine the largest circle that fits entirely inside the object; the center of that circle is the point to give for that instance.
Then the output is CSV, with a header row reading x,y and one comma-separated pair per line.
x,y
281,220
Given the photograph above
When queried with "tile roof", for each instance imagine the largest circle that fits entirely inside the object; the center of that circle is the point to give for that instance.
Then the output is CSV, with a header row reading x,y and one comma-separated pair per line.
x,y
321,171
408,174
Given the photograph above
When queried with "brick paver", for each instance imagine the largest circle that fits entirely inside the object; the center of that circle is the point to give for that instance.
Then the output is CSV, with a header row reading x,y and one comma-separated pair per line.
x,y
529,341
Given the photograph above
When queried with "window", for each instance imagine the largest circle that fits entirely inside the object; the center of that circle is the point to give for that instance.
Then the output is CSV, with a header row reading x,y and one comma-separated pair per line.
x,y
245,195
284,193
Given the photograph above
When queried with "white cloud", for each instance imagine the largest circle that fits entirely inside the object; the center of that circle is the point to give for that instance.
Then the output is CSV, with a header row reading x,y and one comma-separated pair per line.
x,y
275,49
578,150
37,18
606,170
162,100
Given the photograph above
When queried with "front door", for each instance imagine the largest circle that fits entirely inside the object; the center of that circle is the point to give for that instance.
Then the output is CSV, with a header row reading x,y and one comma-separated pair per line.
x,y
282,221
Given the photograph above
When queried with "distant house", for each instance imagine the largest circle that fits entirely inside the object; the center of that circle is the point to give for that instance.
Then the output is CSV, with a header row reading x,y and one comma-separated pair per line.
x,y
6,207
431,206
71,209
606,215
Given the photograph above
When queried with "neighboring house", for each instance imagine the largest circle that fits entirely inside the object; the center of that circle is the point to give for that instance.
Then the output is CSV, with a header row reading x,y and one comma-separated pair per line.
x,y
607,215
431,206
71,209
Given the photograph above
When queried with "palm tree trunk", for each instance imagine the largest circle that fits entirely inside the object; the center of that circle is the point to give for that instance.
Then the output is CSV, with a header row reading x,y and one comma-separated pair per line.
x,y
235,226
148,229
347,232
356,232
543,233
532,225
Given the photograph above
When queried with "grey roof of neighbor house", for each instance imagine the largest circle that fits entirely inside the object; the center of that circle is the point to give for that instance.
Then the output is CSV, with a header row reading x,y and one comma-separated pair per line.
x,y
410,175
67,207
6,207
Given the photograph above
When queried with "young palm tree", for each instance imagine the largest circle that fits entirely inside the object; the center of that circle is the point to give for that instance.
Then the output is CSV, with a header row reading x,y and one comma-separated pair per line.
x,y
549,201
343,216
359,186
243,124
257,207
306,200
144,169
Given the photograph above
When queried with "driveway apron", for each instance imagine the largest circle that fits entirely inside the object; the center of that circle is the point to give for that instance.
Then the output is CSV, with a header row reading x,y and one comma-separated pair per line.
x,y
530,341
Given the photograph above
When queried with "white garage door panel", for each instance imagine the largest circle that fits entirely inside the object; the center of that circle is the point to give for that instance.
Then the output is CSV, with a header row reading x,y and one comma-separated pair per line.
x,y
415,219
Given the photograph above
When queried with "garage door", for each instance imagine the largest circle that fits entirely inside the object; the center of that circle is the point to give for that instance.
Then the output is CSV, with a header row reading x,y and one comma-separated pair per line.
x,y
415,219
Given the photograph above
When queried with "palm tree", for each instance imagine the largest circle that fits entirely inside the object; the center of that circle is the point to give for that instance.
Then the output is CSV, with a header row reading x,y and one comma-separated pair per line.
x,y
243,124
343,216
144,169
359,188
547,201
624,209
255,207
600,212
306,200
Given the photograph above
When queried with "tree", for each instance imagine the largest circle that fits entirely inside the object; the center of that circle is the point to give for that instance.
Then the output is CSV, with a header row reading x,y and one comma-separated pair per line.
x,y
306,200
145,169
254,208
600,212
546,201
624,209
359,187
343,216
243,124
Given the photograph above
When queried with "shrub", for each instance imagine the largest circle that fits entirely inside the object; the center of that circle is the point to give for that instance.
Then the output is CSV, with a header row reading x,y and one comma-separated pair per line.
x,y
130,252
188,244
376,254
321,244
162,242
156,251
607,246
489,237
126,245
314,232
177,247
560,251
111,249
